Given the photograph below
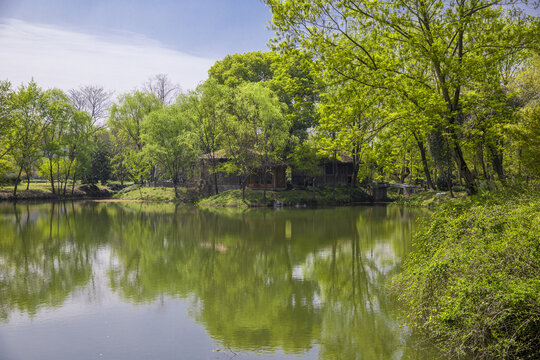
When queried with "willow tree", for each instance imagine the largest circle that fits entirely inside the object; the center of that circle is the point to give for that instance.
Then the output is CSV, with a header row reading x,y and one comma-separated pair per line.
x,y
125,124
6,120
255,131
170,142
127,115
29,115
205,108
426,52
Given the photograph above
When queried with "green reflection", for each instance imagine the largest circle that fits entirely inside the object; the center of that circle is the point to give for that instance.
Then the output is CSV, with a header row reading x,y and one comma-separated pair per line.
x,y
257,280
45,253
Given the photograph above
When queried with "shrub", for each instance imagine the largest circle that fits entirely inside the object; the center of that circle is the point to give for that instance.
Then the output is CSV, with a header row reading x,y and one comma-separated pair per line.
x,y
472,284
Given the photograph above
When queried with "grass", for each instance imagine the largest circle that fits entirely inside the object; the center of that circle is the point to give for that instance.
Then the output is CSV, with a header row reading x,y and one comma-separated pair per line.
x,y
41,190
135,192
254,198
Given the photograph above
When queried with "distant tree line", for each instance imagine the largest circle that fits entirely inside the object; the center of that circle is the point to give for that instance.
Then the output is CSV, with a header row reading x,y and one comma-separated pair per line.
x,y
428,96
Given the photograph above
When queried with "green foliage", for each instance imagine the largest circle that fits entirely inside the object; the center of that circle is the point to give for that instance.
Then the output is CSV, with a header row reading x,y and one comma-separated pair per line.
x,y
237,69
127,115
427,58
6,120
305,158
527,129
170,141
137,166
255,130
294,77
100,166
472,284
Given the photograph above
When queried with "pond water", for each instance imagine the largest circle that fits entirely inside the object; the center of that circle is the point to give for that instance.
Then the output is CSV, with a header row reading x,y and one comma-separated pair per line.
x,y
92,280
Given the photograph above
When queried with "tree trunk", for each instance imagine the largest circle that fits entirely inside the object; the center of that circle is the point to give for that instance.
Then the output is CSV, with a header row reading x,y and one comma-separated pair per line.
x,y
356,168
425,165
334,168
459,159
265,174
214,168
497,162
73,183
67,177
27,180
175,184
17,183
51,175
216,189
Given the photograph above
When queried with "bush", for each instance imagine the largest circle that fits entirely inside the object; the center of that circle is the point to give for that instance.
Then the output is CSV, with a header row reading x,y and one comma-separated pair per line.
x,y
472,284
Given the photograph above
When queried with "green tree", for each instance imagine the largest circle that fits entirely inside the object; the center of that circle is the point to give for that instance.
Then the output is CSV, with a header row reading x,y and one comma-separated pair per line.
x,y
6,120
237,69
205,109
55,138
293,76
29,114
255,131
170,141
137,167
427,53
98,166
126,117
526,131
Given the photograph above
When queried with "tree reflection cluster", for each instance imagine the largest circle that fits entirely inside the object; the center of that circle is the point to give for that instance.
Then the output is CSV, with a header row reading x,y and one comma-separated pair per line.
x,y
257,280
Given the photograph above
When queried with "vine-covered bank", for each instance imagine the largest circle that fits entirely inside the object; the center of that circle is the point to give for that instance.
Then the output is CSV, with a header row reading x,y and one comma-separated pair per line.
x,y
472,284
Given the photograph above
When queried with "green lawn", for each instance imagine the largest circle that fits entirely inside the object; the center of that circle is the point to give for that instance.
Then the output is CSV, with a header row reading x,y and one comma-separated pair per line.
x,y
254,198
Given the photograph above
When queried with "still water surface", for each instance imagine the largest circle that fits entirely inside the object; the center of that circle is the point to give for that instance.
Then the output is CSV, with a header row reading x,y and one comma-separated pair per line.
x,y
94,280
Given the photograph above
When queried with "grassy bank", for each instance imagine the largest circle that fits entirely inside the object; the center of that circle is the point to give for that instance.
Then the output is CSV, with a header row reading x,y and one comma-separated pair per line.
x,y
472,284
43,191
254,198
145,193
431,199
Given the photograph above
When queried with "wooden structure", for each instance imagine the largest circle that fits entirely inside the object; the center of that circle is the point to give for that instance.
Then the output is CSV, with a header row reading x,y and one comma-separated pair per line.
x,y
275,178
339,172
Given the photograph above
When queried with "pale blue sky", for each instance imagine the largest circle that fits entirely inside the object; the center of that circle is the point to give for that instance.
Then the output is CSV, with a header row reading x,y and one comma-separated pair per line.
x,y
121,43
210,28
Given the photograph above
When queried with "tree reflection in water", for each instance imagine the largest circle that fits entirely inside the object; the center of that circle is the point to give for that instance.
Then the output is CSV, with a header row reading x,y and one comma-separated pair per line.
x,y
258,280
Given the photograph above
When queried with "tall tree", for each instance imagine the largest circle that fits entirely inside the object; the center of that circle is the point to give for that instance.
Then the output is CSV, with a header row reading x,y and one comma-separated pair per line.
x,y
526,130
55,137
95,100
163,88
427,52
29,112
170,142
293,76
205,108
6,120
127,115
255,131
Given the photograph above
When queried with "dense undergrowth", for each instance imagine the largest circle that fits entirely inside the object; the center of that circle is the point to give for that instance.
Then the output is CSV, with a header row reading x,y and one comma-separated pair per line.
x,y
431,199
472,283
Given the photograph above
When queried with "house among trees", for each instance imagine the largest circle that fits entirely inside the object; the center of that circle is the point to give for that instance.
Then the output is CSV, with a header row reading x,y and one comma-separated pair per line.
x,y
274,179
329,172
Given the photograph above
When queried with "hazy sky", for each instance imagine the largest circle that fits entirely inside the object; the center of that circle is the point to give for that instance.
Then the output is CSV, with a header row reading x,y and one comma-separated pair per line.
x,y
121,43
